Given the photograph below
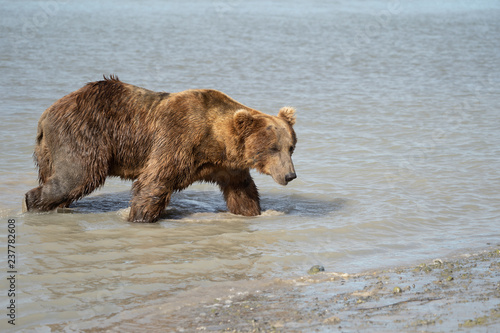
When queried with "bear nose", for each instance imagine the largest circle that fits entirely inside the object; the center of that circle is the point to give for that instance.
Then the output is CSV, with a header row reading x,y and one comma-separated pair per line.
x,y
290,176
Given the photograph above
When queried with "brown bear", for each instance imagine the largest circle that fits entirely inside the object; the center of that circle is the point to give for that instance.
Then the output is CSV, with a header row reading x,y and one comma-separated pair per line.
x,y
163,141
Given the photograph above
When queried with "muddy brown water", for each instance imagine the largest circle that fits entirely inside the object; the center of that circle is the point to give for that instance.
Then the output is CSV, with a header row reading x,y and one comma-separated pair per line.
x,y
398,156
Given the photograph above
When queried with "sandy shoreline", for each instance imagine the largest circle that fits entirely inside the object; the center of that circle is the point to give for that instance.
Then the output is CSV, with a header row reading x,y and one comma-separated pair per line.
x,y
459,294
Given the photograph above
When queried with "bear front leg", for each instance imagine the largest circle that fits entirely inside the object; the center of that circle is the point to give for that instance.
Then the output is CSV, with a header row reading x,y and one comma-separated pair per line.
x,y
148,202
240,192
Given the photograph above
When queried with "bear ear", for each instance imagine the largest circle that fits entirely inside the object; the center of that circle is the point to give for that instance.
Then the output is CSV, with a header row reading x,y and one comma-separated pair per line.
x,y
288,114
242,120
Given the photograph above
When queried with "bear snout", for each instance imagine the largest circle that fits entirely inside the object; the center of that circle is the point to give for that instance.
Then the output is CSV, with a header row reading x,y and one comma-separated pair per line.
x,y
290,176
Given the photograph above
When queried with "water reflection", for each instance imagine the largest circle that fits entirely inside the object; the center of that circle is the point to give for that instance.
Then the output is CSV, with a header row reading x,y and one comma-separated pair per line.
x,y
190,203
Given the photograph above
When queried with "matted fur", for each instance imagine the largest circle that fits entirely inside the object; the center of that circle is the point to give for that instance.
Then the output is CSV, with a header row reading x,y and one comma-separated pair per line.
x,y
163,141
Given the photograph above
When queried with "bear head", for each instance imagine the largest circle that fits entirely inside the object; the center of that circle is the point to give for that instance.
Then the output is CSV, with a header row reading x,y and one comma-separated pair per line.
x,y
269,142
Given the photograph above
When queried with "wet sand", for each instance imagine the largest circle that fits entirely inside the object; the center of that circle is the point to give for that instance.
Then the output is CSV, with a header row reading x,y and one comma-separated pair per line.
x,y
443,295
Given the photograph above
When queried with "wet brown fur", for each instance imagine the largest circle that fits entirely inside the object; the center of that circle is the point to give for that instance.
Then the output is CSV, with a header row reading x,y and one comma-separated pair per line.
x,y
163,141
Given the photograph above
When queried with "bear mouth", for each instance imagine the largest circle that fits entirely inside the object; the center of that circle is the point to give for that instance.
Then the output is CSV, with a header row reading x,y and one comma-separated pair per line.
x,y
281,182
284,180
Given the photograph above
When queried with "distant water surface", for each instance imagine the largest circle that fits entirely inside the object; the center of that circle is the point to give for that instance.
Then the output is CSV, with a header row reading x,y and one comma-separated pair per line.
x,y
398,156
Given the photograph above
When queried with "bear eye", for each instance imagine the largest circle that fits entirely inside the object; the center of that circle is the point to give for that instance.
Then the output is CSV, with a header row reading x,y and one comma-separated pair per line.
x,y
275,149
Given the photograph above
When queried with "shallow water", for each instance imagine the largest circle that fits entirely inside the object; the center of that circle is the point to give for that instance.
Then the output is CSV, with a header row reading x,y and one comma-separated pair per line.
x,y
397,159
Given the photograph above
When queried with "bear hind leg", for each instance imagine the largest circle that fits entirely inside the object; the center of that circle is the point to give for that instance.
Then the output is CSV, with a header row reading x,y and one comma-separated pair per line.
x,y
68,183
